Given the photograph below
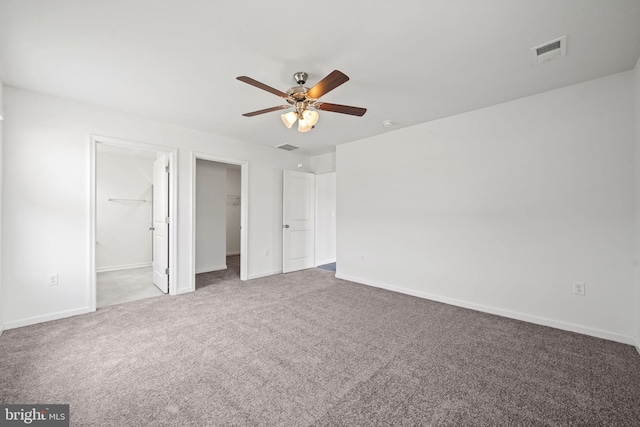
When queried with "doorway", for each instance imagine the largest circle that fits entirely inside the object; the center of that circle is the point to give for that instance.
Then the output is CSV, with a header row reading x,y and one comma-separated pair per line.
x,y
326,221
132,240
219,206
309,221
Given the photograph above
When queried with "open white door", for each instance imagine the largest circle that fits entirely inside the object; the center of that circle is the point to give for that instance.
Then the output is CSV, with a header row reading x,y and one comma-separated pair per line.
x,y
161,223
298,216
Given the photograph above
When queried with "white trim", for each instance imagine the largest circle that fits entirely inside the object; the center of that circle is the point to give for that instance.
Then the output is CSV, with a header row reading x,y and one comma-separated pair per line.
x,y
93,241
233,253
244,221
47,317
122,267
210,269
259,275
172,157
637,344
244,214
598,333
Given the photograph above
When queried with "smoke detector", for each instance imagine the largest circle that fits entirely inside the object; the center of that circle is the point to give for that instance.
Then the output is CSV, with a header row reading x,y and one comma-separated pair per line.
x,y
549,51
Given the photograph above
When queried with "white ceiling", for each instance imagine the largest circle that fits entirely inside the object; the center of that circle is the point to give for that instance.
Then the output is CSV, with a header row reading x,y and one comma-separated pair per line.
x,y
409,61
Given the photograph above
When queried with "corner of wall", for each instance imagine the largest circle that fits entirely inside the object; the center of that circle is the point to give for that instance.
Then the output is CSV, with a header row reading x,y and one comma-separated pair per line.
x,y
323,163
1,186
636,86
1,101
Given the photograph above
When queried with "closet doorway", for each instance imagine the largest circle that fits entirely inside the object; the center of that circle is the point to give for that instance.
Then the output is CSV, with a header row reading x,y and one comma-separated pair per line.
x,y
219,206
131,222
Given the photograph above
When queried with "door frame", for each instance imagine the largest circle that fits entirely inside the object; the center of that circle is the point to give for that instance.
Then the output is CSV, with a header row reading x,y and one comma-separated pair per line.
x,y
244,212
172,157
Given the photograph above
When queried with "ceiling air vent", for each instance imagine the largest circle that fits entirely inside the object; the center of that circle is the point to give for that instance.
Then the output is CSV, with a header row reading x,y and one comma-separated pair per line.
x,y
550,50
287,147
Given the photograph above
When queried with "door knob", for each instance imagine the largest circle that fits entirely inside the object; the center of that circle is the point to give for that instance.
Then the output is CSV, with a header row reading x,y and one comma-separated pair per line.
x,y
286,226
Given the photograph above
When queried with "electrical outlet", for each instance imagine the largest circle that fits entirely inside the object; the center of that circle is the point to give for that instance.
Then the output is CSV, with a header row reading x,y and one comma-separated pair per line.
x,y
579,288
52,279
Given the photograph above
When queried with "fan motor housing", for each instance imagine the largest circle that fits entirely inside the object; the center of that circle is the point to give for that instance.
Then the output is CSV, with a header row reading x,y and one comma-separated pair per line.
x,y
297,93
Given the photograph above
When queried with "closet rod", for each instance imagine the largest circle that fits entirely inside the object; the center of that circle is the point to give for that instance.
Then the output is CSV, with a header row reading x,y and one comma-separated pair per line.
x,y
128,200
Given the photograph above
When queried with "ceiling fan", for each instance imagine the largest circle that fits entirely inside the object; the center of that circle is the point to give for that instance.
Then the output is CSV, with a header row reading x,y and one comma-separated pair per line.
x,y
305,100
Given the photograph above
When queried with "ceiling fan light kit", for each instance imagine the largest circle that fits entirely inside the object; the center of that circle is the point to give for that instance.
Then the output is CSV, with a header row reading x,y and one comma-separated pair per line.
x,y
289,118
305,100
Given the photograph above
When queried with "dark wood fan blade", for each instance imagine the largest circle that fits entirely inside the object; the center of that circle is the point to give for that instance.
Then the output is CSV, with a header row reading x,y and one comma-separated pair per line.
x,y
266,110
253,82
344,109
329,83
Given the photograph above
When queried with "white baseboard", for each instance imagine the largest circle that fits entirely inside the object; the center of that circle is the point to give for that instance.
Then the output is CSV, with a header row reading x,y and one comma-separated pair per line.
x,y
598,333
637,344
211,268
259,275
233,253
1,329
325,261
122,267
46,318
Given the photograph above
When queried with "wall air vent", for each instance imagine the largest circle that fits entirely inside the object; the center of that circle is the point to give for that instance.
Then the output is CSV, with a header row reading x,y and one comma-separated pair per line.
x,y
287,147
550,50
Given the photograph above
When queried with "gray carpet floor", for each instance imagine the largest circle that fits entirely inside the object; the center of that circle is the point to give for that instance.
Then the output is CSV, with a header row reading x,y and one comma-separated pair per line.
x,y
306,348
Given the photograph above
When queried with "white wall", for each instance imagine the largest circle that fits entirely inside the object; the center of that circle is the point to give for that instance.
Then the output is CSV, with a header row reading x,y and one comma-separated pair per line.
x,y
211,217
503,208
234,190
636,74
1,100
325,218
46,199
323,163
122,227
1,199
